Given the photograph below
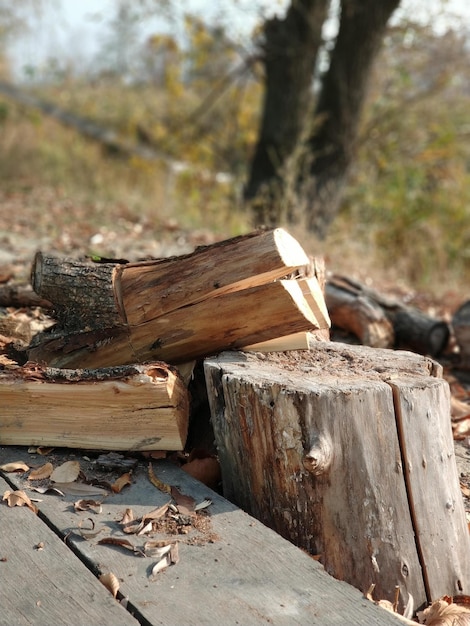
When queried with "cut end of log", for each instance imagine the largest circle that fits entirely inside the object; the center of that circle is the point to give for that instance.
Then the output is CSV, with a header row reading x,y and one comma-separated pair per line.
x,y
291,252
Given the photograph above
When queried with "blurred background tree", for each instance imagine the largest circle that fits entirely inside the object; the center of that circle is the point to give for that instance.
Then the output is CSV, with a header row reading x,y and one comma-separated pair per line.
x,y
196,90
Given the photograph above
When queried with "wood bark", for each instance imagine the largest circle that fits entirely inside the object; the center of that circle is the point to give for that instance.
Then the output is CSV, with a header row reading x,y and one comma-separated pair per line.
x,y
122,408
238,292
350,456
383,322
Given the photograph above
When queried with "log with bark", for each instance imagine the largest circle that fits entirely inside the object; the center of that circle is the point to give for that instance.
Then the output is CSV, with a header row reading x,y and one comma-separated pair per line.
x,y
238,292
139,407
347,451
383,322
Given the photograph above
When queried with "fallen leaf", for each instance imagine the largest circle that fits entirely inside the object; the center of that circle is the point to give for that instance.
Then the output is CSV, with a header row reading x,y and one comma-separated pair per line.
x,y
19,498
88,505
458,409
184,503
206,470
155,514
66,473
465,490
461,428
203,505
42,472
170,556
111,583
443,613
147,528
127,517
88,534
121,482
121,543
46,489
80,489
157,482
157,548
15,466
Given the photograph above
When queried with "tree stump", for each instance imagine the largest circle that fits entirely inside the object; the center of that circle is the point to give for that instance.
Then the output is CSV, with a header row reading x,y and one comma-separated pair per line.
x,y
347,451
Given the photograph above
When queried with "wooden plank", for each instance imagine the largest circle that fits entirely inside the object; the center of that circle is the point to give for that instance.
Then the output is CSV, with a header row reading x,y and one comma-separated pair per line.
x,y
249,575
423,412
50,585
324,466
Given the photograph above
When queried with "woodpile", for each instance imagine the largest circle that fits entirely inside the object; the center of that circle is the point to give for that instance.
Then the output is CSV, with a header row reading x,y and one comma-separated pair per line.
x,y
346,450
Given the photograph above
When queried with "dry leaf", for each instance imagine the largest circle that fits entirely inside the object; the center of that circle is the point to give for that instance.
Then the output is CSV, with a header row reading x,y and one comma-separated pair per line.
x,y
185,503
461,428
42,472
15,466
206,470
158,548
127,517
155,514
121,482
111,583
443,613
88,505
121,543
42,451
66,473
46,489
170,556
154,454
203,505
88,534
80,489
458,409
19,498
157,482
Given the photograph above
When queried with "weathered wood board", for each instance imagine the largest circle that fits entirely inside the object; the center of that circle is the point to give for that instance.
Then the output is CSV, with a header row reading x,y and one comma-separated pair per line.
x,y
309,444
247,575
48,585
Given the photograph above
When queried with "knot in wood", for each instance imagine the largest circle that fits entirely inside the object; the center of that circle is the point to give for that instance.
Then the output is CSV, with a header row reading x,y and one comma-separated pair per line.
x,y
318,459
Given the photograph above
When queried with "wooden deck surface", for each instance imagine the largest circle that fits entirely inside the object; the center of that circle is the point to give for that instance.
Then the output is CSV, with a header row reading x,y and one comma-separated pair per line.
x,y
246,575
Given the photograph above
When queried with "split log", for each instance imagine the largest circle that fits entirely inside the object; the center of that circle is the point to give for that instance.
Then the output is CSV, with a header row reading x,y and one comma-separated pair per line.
x,y
121,408
382,322
347,451
240,291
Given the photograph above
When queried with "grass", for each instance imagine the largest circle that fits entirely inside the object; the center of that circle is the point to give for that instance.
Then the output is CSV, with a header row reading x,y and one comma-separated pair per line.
x,y
393,228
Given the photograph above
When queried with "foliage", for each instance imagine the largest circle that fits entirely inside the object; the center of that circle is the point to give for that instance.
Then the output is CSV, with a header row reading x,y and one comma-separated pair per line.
x,y
409,196
197,99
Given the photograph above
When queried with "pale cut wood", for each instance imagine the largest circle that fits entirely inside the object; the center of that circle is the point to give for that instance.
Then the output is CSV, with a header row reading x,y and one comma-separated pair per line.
x,y
232,320
49,585
133,408
296,341
325,468
423,416
246,575
146,291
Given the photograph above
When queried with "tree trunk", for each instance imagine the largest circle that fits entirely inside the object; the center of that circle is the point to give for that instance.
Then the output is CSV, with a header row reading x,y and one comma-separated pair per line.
x,y
302,157
290,52
343,90
347,451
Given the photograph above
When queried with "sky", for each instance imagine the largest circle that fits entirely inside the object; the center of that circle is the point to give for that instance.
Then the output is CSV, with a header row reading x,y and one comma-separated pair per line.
x,y
74,29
